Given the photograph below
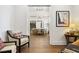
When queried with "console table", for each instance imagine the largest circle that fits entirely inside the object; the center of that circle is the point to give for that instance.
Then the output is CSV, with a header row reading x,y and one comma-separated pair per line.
x,y
67,36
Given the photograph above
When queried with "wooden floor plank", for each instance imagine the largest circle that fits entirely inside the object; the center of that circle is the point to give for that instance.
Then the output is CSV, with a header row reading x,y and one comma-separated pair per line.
x,y
40,44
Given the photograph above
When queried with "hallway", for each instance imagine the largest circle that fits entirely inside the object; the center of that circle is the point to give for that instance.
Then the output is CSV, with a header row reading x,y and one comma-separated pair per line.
x,y
40,44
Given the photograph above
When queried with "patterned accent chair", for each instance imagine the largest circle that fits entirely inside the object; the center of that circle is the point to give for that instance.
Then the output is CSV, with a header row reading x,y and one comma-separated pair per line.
x,y
10,47
20,41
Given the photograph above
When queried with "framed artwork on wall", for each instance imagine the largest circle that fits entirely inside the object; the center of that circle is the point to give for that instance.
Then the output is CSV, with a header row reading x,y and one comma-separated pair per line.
x,y
62,18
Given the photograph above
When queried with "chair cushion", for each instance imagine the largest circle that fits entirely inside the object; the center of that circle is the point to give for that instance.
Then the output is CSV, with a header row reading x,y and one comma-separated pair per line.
x,y
2,45
24,40
9,47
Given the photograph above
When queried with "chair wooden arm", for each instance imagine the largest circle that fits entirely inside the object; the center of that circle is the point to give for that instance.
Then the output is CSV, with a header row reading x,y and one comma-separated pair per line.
x,y
11,42
25,36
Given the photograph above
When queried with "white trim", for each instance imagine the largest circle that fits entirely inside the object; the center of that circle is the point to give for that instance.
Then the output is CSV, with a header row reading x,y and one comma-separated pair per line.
x,y
58,43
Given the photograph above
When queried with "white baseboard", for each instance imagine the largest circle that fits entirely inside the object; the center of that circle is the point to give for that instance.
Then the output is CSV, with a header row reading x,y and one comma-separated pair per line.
x,y
58,43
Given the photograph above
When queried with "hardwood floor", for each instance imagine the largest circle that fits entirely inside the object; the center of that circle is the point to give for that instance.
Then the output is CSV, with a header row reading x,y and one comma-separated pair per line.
x,y
40,44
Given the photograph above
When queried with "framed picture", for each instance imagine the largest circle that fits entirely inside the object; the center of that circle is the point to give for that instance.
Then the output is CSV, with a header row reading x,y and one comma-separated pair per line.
x,y
62,18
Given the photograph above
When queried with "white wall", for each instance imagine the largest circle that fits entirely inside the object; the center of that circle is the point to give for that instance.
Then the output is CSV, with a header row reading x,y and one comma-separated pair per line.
x,y
21,22
12,21
75,14
6,16
57,33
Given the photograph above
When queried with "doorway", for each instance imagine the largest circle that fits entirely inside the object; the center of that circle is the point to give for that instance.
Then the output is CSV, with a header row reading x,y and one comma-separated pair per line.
x,y
39,28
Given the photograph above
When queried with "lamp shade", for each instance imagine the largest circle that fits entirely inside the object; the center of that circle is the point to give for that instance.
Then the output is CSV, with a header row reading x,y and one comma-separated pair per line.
x,y
72,26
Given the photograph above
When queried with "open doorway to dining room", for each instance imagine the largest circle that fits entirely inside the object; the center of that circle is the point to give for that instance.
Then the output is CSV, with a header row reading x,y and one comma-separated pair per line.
x,y
39,16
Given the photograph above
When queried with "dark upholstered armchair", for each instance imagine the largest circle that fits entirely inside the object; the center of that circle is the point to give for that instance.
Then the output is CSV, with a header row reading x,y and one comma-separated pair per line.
x,y
71,48
21,41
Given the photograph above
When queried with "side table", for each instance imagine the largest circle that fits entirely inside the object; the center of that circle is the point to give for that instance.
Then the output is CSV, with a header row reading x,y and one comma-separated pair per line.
x,y
67,36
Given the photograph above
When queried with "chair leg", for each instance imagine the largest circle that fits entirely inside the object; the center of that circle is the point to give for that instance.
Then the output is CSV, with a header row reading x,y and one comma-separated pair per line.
x,y
19,45
19,49
28,45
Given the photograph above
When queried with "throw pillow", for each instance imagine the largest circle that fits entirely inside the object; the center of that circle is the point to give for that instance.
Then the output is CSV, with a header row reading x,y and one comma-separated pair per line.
x,y
76,42
18,34
1,44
